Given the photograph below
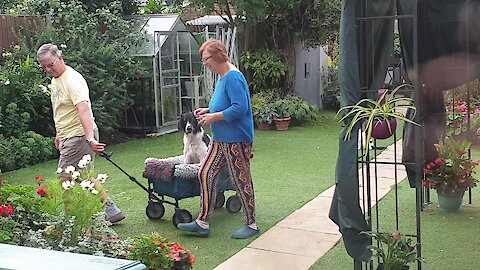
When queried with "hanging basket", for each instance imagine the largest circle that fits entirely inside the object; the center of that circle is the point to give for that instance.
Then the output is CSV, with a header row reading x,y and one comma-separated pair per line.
x,y
450,202
381,129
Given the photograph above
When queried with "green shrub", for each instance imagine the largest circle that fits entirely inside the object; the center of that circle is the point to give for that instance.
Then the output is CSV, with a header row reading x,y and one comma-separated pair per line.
x,y
262,106
102,57
331,89
268,69
7,162
25,205
22,83
15,122
297,108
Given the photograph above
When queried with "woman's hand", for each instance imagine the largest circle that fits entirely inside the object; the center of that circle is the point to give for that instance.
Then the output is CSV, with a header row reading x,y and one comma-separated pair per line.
x,y
200,111
210,118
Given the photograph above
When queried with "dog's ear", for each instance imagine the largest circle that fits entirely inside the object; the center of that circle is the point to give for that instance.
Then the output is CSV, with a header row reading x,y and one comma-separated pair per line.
x,y
181,122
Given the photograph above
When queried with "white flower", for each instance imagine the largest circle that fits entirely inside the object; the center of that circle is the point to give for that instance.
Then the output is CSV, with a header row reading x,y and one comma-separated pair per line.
x,y
68,184
59,170
50,86
87,158
7,82
75,174
94,191
87,184
70,169
17,47
44,88
82,163
63,46
101,177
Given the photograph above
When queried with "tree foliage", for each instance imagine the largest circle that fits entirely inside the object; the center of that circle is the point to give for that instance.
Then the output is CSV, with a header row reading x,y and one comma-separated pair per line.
x,y
129,7
314,21
96,45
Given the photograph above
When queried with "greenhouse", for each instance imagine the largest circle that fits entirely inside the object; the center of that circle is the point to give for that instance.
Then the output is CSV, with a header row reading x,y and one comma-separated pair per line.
x,y
168,82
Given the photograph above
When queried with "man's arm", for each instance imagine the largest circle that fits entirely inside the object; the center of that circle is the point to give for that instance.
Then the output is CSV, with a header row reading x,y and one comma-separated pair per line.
x,y
87,123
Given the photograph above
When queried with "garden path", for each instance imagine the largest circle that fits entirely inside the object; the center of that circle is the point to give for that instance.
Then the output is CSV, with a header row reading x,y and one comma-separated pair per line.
x,y
299,240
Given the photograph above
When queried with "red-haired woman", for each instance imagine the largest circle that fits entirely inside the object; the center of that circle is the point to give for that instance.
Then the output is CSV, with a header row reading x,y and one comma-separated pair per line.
x,y
230,116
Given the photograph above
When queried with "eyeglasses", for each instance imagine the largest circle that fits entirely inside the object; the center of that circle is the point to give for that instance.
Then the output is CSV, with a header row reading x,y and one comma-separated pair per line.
x,y
49,66
206,58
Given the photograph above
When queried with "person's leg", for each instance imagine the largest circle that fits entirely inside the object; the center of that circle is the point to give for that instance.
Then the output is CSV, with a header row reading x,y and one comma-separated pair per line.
x,y
208,174
72,150
238,157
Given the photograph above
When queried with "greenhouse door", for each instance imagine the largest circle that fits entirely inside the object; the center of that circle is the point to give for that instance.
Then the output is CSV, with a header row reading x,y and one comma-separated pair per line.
x,y
168,78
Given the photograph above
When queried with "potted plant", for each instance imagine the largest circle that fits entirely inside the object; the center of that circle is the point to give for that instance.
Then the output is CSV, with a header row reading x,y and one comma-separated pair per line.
x,y
264,116
378,117
284,108
451,173
158,253
394,251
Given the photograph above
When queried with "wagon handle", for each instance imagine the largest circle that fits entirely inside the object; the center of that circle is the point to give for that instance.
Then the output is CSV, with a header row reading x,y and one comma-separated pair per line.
x,y
108,156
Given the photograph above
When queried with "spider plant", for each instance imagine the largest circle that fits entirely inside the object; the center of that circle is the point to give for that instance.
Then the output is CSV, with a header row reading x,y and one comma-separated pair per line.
x,y
370,112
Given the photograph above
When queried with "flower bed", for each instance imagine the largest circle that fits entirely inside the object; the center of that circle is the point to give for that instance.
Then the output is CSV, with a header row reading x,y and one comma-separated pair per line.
x,y
69,216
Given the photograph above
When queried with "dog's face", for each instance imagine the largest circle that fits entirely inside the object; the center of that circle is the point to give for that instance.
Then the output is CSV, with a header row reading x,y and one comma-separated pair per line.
x,y
189,124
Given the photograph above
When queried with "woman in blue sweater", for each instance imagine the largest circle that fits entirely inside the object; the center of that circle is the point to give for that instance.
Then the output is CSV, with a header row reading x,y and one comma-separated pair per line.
x,y
230,116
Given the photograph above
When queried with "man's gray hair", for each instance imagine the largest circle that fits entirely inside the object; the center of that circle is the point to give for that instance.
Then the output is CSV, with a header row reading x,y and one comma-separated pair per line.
x,y
48,49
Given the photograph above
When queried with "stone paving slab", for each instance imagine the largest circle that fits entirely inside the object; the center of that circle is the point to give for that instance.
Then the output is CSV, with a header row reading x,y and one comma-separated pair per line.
x,y
299,240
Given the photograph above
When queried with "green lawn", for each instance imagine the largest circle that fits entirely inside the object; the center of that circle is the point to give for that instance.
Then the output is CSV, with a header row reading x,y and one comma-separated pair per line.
x,y
289,169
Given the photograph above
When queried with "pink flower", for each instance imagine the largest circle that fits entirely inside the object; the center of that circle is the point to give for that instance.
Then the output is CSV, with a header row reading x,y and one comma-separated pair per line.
x,y
396,235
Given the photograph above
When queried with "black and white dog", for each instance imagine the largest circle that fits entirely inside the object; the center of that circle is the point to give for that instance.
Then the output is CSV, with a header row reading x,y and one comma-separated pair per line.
x,y
195,140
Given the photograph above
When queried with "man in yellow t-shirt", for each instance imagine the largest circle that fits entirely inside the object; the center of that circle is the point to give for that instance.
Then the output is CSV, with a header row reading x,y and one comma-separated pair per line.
x,y
76,131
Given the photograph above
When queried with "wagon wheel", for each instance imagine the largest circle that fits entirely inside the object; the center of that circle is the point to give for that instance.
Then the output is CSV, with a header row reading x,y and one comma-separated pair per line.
x,y
181,216
155,210
233,204
220,200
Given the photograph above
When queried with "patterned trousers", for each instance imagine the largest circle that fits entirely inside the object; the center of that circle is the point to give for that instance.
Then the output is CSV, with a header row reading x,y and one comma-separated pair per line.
x,y
236,156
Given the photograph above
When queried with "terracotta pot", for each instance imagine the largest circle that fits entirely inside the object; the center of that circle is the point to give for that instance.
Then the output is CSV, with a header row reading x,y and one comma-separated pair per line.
x,y
381,130
282,123
263,126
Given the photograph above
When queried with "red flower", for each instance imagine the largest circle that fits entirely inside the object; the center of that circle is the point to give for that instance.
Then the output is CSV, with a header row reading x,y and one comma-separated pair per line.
x,y
192,260
425,183
42,191
176,247
9,209
438,160
6,209
39,179
1,202
432,184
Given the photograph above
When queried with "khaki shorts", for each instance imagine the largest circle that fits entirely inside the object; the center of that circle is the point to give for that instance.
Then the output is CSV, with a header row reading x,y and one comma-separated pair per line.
x,y
73,149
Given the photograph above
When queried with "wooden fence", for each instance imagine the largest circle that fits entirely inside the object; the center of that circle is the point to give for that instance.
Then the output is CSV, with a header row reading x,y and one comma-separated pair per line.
x,y
12,25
